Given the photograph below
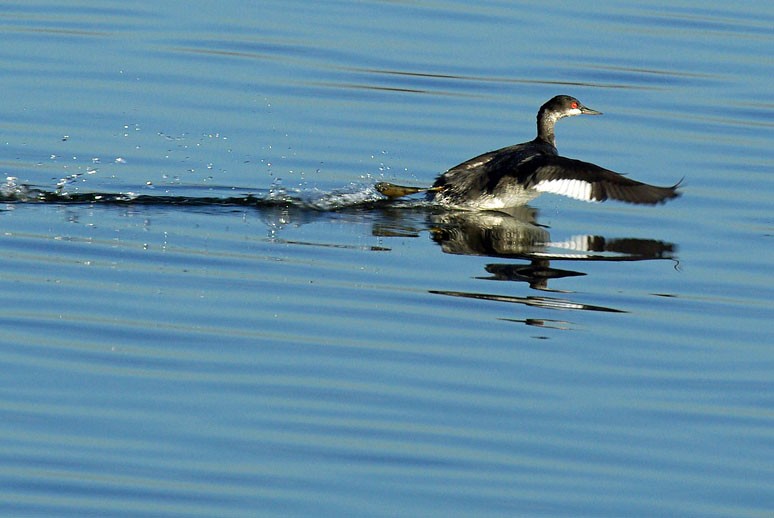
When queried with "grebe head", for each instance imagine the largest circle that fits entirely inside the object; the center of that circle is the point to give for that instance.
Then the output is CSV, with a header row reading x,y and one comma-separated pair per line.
x,y
565,106
557,108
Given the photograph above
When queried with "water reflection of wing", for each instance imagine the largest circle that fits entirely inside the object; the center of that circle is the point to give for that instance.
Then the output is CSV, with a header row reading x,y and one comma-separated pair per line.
x,y
516,235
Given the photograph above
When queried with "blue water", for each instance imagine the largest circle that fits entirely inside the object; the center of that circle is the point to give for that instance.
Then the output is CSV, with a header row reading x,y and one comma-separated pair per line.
x,y
208,310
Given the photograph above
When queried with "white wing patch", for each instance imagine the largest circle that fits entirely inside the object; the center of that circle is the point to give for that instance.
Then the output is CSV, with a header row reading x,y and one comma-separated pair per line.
x,y
578,189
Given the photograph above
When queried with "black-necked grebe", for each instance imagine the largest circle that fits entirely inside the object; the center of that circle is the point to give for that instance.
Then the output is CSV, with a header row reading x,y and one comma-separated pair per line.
x,y
514,175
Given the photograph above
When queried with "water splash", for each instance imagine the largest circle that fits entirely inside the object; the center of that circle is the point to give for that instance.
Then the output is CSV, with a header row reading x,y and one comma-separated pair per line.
x,y
342,198
12,190
353,196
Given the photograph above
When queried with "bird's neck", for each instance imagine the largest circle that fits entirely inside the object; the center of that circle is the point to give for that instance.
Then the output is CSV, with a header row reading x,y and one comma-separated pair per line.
x,y
545,126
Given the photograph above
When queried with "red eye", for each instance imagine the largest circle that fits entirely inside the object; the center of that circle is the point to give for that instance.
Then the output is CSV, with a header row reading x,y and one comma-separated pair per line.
x,y
573,105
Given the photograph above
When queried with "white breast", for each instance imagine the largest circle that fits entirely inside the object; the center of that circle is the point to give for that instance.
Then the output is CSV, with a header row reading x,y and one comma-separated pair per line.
x,y
503,198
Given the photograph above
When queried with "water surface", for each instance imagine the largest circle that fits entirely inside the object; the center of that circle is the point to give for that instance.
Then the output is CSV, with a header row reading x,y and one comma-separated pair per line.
x,y
208,310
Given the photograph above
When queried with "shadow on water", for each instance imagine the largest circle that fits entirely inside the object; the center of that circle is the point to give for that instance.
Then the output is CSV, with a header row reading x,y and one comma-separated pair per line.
x,y
513,235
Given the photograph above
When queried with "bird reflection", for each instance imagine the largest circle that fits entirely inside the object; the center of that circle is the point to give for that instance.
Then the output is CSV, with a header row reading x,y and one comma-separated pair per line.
x,y
515,234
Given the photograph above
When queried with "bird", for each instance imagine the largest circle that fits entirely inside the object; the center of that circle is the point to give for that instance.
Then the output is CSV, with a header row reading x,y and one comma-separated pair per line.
x,y
517,174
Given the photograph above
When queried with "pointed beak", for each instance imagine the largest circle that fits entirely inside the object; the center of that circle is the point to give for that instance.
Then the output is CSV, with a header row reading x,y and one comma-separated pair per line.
x,y
585,110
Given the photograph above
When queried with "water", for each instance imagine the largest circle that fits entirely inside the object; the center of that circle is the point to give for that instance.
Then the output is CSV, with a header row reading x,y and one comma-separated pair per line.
x,y
208,310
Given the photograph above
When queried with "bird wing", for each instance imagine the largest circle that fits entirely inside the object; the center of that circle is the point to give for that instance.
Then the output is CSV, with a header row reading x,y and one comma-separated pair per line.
x,y
589,182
